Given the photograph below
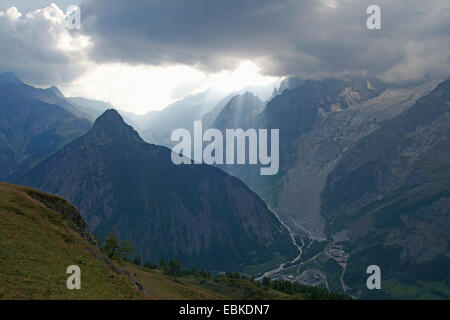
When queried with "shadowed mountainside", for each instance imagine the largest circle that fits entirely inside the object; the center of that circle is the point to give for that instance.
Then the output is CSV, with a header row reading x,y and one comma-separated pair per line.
x,y
194,213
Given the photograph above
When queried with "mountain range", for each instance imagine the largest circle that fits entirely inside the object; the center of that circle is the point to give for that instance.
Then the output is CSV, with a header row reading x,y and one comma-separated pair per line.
x,y
363,179
194,213
390,195
34,123
363,165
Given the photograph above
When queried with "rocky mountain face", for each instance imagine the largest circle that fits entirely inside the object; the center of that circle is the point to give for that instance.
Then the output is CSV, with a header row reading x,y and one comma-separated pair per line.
x,y
318,122
296,112
317,151
390,195
364,164
31,129
288,83
194,213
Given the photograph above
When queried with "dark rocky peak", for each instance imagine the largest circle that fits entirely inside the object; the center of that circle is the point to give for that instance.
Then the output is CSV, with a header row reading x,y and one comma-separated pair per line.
x,y
109,117
111,124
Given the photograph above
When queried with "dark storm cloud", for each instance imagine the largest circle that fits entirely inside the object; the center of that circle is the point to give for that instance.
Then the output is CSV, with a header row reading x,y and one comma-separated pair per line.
x,y
309,37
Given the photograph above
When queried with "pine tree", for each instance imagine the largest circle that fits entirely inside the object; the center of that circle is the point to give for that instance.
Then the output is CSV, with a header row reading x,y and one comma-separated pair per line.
x,y
174,267
115,248
137,261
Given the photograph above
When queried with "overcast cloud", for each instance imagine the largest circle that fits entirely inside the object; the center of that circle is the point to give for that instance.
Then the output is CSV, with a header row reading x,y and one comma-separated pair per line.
x,y
309,38
285,37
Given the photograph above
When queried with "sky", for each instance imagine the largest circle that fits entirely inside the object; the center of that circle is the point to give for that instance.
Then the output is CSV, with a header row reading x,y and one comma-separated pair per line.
x,y
142,55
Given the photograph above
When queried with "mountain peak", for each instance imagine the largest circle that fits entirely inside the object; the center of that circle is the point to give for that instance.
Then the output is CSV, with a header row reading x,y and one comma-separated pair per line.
x,y
8,78
56,91
111,124
110,118
245,100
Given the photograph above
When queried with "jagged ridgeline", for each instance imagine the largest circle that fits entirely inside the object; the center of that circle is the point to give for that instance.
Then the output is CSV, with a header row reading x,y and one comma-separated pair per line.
x,y
195,213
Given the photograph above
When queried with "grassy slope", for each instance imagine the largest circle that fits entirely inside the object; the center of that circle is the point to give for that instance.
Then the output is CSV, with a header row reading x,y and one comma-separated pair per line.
x,y
36,247
37,244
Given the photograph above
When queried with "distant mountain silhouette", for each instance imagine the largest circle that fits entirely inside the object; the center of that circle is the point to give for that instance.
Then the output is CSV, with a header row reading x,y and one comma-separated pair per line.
x,y
31,129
